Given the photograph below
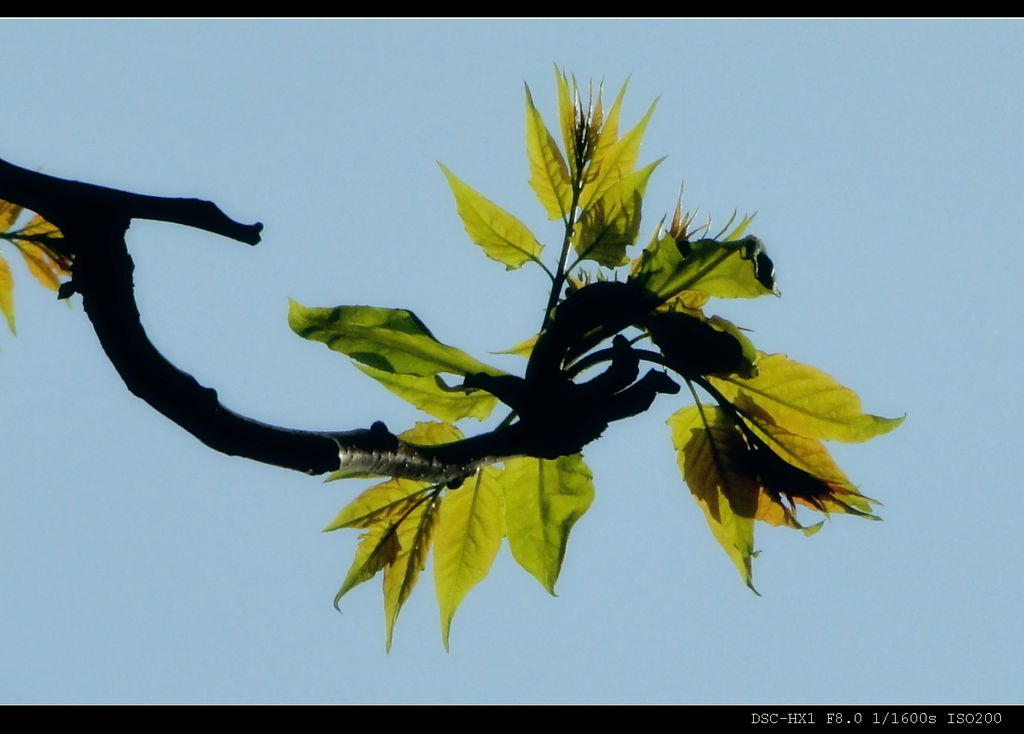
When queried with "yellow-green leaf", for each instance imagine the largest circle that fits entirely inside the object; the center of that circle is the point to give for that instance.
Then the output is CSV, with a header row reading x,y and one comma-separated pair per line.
x,y
8,214
549,177
543,500
609,135
523,348
805,401
377,548
566,117
389,339
711,458
738,269
468,537
617,162
429,433
415,533
611,223
502,236
431,395
378,503
7,293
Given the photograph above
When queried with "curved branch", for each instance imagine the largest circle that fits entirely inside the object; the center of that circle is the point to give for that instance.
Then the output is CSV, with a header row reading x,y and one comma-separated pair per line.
x,y
560,417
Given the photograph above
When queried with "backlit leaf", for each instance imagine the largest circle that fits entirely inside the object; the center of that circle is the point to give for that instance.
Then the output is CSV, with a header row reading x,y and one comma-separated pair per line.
x,y
805,401
431,395
523,348
429,433
543,500
7,293
44,269
501,235
389,339
8,214
617,162
378,503
549,177
414,533
609,135
739,269
566,118
612,223
377,548
712,460
468,538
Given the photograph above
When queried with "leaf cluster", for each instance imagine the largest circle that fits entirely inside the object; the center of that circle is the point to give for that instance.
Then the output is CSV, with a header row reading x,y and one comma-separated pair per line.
x,y
33,240
751,449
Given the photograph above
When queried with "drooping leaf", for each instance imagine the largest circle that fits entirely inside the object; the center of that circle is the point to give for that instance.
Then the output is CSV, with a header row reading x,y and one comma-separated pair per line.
x,y
543,500
805,401
617,162
739,269
377,548
7,294
429,433
549,177
8,214
44,264
389,339
433,396
468,539
501,235
378,503
523,348
415,534
612,223
712,460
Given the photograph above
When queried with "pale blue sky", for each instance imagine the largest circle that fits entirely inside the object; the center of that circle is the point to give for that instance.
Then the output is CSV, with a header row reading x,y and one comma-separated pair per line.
x,y
885,160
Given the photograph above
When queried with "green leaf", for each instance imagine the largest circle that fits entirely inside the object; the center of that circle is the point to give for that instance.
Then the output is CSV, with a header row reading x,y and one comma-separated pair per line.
x,y
739,269
617,162
712,459
414,534
543,500
501,235
612,223
468,539
549,177
431,395
378,503
7,294
377,548
388,339
805,401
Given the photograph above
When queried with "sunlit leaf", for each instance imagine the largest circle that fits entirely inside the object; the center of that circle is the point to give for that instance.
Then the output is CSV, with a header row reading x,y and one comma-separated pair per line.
x,y
468,539
414,533
523,348
543,500
501,235
609,136
611,224
741,228
389,339
739,269
549,177
712,459
7,294
804,400
44,269
617,162
8,214
566,118
431,395
378,502
377,548
429,433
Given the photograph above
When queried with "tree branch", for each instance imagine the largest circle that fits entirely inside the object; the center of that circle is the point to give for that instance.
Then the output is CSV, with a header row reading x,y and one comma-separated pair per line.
x,y
558,417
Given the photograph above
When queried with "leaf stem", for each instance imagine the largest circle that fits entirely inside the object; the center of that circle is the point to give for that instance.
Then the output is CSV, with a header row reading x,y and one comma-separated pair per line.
x,y
570,225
